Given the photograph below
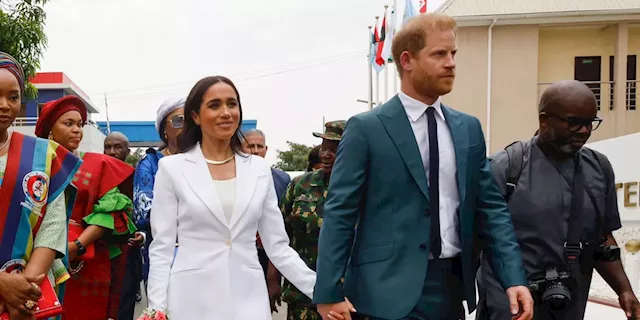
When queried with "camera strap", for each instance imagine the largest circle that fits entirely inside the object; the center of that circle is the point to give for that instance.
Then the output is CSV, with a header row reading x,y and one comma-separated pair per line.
x,y
575,224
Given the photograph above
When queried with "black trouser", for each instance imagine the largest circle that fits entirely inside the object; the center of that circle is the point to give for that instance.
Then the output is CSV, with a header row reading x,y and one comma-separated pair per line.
x,y
130,285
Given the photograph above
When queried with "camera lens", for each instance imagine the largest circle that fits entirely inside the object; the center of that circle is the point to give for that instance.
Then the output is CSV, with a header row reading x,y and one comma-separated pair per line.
x,y
557,296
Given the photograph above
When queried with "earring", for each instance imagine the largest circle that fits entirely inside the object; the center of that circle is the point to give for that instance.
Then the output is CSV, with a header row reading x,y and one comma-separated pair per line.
x,y
50,136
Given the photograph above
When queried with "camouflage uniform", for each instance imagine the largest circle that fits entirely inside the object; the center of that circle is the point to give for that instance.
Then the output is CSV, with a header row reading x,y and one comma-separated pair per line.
x,y
302,207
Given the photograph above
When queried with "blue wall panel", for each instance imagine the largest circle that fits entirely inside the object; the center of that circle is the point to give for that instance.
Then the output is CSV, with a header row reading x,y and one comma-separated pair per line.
x,y
145,131
44,96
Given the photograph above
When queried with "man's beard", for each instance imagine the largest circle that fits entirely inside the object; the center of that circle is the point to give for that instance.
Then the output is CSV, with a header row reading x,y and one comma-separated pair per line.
x,y
562,144
429,85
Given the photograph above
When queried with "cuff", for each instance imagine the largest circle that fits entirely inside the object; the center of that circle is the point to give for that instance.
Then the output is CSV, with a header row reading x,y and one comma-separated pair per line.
x,y
328,295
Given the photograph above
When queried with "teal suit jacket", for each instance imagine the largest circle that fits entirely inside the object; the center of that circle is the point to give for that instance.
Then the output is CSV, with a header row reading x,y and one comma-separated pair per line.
x,y
376,218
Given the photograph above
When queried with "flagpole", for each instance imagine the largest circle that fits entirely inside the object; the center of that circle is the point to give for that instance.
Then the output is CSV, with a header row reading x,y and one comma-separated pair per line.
x,y
386,63
377,75
370,96
395,78
395,63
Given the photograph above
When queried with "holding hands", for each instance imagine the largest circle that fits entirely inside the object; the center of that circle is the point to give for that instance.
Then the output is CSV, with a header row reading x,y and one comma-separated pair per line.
x,y
336,311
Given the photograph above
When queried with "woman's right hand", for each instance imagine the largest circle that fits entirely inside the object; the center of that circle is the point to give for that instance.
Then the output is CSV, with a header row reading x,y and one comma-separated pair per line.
x,y
20,314
16,289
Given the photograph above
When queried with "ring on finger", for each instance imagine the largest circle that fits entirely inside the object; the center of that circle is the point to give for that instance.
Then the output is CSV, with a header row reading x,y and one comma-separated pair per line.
x,y
30,305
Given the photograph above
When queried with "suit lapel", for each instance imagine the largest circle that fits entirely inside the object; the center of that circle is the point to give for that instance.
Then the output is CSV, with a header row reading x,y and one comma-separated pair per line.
x,y
246,181
395,121
460,136
197,174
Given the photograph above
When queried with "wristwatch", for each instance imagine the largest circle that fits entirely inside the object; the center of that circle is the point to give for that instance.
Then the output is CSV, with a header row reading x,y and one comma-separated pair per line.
x,y
81,249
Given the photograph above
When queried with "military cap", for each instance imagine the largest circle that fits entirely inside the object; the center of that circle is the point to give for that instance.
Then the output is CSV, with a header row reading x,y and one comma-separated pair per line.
x,y
332,130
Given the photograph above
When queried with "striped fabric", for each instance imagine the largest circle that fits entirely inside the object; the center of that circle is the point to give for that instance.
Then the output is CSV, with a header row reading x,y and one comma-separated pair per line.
x,y
37,172
10,63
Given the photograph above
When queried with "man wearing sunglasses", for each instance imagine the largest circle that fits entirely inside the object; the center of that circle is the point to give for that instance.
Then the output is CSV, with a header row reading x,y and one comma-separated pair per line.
x,y
563,203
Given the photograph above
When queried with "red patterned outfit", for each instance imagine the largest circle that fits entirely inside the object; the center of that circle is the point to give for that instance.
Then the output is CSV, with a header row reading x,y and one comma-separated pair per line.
x,y
104,199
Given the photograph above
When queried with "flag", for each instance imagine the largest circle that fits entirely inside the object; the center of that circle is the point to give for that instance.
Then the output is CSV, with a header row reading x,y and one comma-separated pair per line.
x,y
387,54
383,32
373,49
423,6
409,12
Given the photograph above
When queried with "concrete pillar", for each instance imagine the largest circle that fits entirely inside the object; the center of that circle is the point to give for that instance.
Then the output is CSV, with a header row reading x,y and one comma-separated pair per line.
x,y
620,79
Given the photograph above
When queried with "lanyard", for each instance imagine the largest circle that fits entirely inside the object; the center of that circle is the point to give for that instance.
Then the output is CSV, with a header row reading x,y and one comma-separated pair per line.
x,y
575,224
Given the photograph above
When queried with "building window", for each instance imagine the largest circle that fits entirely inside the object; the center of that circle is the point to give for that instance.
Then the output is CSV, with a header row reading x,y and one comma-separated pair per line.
x,y
631,87
588,70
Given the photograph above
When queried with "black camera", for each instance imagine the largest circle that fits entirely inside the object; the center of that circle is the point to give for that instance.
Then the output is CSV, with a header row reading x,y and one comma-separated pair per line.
x,y
551,288
606,253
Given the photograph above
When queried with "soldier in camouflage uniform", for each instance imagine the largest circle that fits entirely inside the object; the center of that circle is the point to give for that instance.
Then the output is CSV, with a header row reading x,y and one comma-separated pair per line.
x,y
302,207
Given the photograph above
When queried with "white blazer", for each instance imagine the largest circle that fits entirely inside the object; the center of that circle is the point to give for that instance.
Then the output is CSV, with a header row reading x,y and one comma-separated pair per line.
x,y
216,273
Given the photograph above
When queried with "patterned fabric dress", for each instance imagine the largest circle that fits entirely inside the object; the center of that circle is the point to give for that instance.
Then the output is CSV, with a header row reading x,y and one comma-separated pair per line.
x,y
104,187
142,196
33,177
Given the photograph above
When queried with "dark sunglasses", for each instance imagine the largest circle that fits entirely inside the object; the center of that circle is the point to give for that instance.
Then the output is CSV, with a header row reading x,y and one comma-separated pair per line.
x,y
177,121
575,124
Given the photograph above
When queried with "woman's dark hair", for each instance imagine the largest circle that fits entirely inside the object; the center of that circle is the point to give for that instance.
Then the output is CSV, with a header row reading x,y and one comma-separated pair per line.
x,y
314,158
192,133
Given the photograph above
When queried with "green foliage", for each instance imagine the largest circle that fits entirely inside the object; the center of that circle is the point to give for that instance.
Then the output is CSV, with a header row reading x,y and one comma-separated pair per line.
x,y
22,35
135,157
294,159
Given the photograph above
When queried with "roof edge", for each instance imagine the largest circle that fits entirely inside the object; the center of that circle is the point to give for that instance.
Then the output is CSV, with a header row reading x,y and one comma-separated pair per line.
x,y
531,19
549,14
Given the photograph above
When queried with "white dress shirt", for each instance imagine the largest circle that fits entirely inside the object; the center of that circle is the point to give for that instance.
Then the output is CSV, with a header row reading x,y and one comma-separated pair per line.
x,y
448,190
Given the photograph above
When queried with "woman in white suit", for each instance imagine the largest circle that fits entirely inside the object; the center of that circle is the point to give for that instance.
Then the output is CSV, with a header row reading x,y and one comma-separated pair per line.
x,y
213,198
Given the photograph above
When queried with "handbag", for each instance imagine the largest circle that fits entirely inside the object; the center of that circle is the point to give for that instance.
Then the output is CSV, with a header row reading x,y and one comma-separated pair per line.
x,y
48,306
75,230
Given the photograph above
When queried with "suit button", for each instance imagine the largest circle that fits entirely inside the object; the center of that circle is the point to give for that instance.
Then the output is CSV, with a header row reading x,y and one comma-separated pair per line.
x,y
426,212
423,247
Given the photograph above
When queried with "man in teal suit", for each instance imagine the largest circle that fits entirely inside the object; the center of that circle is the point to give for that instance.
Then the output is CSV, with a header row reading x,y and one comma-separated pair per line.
x,y
411,189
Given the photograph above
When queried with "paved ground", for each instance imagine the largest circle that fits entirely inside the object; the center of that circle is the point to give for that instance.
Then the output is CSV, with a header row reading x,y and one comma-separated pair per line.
x,y
281,315
594,312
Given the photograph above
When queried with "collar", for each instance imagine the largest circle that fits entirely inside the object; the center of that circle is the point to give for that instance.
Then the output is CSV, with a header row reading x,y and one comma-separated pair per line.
x,y
415,108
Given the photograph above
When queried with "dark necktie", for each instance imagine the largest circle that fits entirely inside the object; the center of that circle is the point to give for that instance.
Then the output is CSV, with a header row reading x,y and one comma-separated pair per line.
x,y
434,193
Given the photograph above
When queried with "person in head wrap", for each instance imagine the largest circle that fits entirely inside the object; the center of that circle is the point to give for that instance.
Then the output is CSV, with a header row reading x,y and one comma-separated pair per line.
x,y
34,174
100,222
169,123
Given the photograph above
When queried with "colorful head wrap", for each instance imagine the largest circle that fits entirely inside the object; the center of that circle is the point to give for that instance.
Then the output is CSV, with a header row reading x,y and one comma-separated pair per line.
x,y
10,63
53,110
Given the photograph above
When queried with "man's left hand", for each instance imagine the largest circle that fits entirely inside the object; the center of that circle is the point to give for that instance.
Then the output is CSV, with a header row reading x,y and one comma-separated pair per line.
x,y
520,303
629,303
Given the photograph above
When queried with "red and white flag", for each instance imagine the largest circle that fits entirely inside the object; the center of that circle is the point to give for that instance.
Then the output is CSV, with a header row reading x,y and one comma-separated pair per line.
x,y
423,6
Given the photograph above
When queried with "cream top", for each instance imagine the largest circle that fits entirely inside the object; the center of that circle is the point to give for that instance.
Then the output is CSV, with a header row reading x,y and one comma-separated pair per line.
x,y
227,194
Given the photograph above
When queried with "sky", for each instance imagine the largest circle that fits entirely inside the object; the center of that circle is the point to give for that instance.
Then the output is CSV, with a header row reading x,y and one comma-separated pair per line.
x,y
294,62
